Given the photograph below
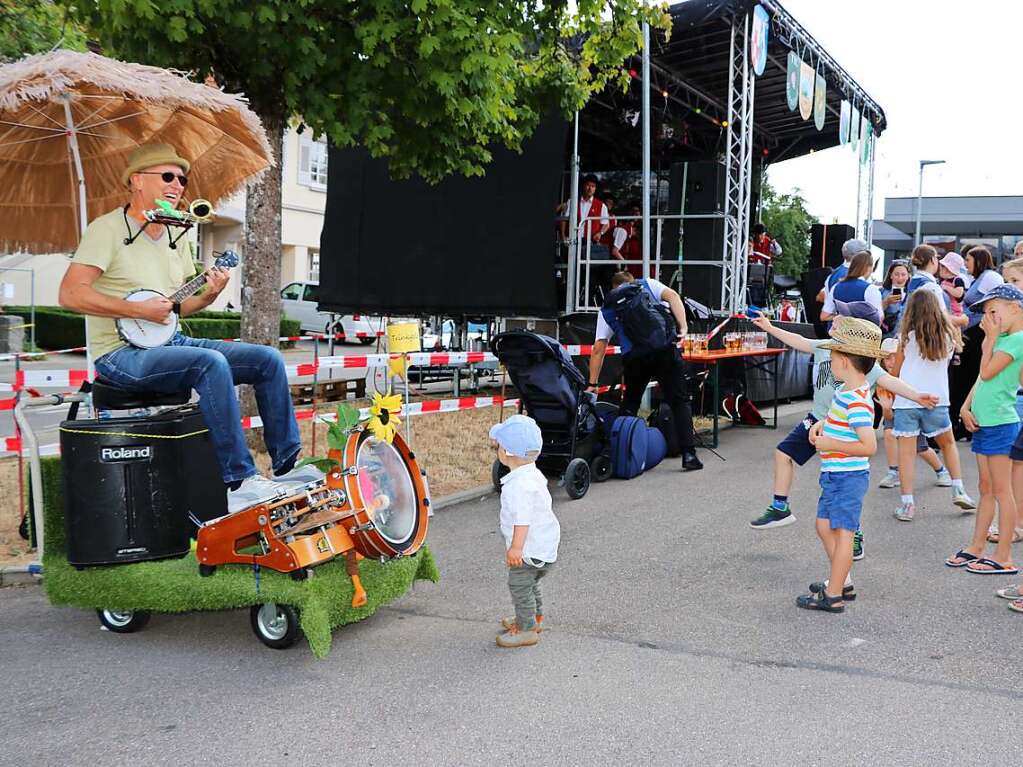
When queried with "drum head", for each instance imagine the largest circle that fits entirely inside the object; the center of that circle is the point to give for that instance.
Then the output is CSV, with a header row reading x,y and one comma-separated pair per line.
x,y
387,491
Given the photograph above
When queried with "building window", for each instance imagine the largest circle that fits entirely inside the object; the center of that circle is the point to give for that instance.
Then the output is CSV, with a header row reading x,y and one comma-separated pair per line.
x,y
314,266
312,161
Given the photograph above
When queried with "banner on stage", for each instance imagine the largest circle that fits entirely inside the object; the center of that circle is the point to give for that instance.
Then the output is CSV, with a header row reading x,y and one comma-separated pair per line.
x,y
866,141
807,75
792,80
843,122
758,40
854,128
820,101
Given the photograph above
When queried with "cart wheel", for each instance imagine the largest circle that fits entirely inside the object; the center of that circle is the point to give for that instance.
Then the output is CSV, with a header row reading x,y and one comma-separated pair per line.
x,y
601,468
123,621
301,574
577,478
497,471
275,625
205,571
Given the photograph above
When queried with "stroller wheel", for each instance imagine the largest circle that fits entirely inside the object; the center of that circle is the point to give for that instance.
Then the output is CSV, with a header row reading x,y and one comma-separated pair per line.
x,y
600,469
577,478
497,471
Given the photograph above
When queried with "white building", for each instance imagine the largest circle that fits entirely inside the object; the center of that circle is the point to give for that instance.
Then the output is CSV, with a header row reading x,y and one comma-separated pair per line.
x,y
303,196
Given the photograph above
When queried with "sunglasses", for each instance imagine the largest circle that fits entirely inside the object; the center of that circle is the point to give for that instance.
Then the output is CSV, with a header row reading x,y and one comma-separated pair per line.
x,y
166,176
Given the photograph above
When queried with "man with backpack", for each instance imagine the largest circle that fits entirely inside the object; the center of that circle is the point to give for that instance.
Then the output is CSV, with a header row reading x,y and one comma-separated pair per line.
x,y
647,317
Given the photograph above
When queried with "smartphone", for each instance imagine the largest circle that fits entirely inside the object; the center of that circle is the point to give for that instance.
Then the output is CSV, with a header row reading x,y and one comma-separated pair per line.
x,y
896,291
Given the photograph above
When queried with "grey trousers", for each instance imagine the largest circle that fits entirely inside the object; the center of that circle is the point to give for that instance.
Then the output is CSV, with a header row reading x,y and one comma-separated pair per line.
x,y
524,585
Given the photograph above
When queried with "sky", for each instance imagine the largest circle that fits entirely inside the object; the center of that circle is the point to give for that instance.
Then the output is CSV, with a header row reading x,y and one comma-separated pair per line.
x,y
946,75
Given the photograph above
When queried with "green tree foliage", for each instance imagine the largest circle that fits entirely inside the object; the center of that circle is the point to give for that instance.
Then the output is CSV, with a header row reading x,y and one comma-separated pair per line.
x,y
36,26
789,222
429,83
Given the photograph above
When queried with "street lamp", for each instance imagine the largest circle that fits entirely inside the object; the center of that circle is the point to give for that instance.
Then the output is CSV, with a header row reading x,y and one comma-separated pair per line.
x,y
920,194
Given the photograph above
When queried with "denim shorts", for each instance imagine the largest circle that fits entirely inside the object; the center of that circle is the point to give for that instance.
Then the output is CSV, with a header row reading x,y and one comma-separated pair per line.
x,y
995,440
921,440
796,444
842,494
909,422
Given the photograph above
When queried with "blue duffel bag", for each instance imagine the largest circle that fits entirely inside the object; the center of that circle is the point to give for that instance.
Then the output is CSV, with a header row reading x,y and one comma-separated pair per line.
x,y
629,439
656,447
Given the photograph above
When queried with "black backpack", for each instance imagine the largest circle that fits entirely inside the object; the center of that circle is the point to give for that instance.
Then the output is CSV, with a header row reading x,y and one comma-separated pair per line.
x,y
663,419
647,323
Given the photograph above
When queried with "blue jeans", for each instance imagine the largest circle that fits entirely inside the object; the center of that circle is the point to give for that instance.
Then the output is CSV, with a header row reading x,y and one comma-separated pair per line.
x,y
213,368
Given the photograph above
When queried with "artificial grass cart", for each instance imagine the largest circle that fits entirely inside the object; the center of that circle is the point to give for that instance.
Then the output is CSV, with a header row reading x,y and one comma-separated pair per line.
x,y
123,595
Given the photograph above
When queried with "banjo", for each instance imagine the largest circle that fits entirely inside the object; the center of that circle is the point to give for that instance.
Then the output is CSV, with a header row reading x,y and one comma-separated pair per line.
x,y
145,334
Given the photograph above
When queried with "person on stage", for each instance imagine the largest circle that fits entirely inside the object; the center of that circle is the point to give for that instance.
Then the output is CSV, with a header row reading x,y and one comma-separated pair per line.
x,y
112,260
763,248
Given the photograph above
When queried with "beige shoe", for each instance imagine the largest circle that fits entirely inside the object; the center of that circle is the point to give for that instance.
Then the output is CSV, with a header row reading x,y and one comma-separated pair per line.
x,y
515,638
507,623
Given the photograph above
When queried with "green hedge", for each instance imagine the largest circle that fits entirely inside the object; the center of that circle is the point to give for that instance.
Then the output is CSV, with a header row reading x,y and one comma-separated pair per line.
x,y
59,328
174,585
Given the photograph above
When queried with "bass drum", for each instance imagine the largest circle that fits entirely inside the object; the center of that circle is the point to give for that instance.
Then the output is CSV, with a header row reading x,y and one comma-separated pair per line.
x,y
385,491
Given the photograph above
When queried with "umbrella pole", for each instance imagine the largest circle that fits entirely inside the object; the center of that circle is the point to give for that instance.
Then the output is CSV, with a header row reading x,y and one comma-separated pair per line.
x,y
72,141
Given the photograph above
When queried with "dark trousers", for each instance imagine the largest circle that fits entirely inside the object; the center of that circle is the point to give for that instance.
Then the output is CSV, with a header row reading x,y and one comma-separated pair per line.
x,y
961,377
667,369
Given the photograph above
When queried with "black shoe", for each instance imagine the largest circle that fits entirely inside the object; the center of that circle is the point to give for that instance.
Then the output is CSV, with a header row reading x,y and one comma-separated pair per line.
x,y
690,462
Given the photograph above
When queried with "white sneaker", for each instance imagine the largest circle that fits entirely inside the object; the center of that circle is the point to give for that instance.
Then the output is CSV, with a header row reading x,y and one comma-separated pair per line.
x,y
905,512
891,479
253,490
943,478
302,476
962,500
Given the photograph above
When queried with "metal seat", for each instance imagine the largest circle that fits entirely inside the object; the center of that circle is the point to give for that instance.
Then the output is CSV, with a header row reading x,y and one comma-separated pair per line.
x,y
109,396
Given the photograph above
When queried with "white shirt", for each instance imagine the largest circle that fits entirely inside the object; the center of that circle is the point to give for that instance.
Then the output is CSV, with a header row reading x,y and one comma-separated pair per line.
x,y
923,375
988,281
604,331
872,296
525,500
620,236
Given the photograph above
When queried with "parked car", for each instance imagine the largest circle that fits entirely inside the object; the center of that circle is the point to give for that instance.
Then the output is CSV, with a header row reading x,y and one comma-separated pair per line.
x,y
299,300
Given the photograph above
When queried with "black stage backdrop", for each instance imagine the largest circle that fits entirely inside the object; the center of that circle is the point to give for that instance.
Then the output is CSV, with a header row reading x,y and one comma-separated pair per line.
x,y
464,246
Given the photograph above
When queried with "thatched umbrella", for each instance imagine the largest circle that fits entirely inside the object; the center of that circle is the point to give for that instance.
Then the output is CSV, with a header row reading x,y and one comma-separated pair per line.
x,y
68,122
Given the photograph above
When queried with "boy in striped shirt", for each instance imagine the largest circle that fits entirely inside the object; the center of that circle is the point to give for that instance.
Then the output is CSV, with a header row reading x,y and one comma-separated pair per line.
x,y
845,440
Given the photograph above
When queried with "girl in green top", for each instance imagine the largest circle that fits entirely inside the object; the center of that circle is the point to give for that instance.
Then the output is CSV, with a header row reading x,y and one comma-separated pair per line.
x,y
990,413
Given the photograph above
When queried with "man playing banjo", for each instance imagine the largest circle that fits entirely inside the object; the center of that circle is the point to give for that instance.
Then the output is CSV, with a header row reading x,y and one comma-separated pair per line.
x,y
112,260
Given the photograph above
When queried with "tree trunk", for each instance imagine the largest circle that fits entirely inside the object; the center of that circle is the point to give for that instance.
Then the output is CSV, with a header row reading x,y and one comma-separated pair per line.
x,y
261,260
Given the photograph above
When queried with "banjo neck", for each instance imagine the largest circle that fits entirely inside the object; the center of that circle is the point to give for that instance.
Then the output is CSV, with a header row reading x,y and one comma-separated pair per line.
x,y
189,289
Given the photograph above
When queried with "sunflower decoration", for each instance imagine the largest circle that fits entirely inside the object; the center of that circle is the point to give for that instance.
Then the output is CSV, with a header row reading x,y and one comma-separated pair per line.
x,y
383,416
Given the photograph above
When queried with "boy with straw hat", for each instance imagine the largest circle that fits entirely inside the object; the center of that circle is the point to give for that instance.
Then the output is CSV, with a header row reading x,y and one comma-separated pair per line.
x,y
845,440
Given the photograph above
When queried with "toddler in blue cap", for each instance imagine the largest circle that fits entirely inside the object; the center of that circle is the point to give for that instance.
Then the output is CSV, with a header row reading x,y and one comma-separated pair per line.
x,y
531,531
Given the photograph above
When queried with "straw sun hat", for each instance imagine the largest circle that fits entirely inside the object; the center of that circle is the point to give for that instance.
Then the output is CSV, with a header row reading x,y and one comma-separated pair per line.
x,y
850,335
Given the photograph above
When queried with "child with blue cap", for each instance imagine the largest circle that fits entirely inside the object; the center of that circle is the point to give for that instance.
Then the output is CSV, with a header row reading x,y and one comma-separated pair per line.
x,y
531,531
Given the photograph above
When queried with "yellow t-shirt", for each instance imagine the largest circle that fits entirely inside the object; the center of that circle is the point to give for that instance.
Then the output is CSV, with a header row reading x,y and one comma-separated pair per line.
x,y
143,264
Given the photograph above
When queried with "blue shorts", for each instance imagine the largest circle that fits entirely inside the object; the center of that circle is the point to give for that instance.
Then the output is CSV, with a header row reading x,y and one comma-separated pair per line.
x,y
921,440
842,494
909,422
796,444
995,440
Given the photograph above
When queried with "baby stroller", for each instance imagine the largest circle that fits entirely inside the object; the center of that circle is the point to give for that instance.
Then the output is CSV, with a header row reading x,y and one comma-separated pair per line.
x,y
552,391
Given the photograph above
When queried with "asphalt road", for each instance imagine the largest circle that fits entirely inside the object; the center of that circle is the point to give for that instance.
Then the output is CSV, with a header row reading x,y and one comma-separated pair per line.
x,y
672,639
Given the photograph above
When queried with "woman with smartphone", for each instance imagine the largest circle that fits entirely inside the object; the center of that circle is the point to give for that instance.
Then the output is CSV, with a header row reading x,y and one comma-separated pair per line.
x,y
893,295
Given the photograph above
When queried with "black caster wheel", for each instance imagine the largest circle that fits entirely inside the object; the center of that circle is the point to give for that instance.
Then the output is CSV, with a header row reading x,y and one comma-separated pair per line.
x,y
301,574
205,571
577,478
123,621
275,625
497,471
600,469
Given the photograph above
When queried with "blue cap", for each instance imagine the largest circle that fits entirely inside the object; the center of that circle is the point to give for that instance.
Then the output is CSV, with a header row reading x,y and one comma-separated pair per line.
x,y
863,310
1006,292
519,436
